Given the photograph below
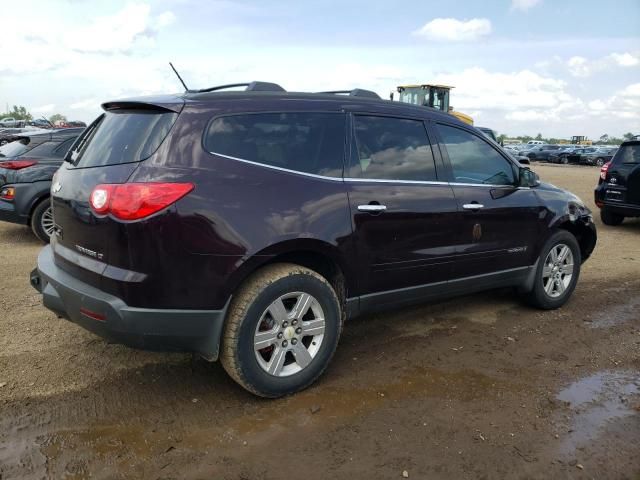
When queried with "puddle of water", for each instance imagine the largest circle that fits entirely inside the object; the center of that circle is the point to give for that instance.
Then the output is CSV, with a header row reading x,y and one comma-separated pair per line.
x,y
596,401
617,314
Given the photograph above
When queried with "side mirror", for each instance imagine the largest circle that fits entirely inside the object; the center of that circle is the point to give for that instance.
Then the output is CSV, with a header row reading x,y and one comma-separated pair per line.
x,y
528,178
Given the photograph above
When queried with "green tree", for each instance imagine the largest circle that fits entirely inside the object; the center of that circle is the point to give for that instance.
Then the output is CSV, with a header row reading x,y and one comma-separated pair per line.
x,y
57,117
539,136
628,136
604,138
18,112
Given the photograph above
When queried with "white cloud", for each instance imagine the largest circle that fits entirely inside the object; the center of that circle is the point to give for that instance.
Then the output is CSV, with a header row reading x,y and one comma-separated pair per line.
x,y
453,30
584,67
580,66
625,59
524,5
631,91
477,88
597,105
118,32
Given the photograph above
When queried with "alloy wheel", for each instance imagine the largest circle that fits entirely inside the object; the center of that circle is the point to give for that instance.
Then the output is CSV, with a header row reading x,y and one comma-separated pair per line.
x,y
289,334
46,221
558,270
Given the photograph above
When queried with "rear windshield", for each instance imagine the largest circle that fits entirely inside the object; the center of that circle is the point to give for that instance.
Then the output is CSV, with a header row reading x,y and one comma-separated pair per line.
x,y
122,137
15,148
627,154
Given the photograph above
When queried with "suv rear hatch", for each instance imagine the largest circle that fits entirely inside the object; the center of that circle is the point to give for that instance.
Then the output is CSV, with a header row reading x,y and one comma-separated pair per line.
x,y
108,152
623,175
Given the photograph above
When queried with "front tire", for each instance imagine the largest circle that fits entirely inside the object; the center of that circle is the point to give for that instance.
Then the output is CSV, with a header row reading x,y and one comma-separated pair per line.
x,y
282,330
42,220
610,218
557,272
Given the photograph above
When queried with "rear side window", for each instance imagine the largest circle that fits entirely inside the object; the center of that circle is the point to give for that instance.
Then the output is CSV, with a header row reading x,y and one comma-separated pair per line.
x,y
391,149
122,136
627,154
304,142
473,160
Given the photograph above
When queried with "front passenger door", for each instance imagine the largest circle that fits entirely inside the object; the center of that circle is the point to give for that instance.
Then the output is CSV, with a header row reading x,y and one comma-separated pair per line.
x,y
498,221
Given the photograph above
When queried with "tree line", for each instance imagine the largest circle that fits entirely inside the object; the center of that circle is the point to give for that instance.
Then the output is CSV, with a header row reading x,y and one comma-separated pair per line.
x,y
19,112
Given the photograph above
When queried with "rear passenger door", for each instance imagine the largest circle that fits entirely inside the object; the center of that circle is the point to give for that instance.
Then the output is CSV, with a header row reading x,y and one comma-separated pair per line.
x,y
498,222
402,214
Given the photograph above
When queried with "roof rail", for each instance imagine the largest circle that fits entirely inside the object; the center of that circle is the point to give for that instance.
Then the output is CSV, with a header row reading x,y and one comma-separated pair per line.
x,y
356,92
251,87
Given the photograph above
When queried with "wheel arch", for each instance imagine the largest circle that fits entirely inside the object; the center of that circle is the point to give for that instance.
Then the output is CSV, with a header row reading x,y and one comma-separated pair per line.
x,y
37,199
321,257
585,235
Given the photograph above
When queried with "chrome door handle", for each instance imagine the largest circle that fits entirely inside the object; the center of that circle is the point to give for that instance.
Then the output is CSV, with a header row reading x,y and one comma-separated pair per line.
x,y
472,206
372,208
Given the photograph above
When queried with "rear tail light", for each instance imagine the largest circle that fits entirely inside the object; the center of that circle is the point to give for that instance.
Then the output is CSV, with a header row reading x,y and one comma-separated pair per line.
x,y
17,164
8,193
603,170
133,201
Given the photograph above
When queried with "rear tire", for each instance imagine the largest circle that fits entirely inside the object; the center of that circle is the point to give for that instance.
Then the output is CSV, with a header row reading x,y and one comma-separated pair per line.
x,y
599,162
281,307
610,218
42,220
564,160
556,276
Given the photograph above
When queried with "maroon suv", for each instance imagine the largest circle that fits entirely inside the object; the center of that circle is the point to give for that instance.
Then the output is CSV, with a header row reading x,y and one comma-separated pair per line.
x,y
248,225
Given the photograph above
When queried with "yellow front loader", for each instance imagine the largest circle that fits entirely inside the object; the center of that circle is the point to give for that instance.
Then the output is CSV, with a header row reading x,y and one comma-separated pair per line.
x,y
434,96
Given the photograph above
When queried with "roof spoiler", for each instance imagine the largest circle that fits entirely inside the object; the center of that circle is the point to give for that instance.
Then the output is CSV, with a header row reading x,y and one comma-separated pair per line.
x,y
356,92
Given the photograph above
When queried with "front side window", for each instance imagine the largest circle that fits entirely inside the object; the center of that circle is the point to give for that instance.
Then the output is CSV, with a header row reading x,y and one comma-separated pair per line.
x,y
473,160
304,142
391,149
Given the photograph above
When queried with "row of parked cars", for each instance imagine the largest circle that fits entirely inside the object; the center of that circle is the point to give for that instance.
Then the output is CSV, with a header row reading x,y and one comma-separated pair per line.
x,y
578,154
247,226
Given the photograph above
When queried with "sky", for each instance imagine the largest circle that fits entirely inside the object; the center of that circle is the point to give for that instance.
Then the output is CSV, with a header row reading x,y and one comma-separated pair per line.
x,y
556,67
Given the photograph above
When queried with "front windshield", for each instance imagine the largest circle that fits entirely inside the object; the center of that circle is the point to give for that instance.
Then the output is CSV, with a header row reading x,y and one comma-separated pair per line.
x,y
15,148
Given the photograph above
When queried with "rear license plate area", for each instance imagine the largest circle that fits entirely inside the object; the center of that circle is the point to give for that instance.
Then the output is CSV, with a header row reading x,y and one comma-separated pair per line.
x,y
614,195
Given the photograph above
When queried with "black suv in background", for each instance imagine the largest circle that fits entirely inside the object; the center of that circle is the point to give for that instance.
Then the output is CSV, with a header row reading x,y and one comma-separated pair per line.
x,y
247,226
26,168
618,191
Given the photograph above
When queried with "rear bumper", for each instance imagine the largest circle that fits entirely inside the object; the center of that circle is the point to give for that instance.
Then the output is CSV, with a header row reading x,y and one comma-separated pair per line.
x,y
197,331
8,213
621,208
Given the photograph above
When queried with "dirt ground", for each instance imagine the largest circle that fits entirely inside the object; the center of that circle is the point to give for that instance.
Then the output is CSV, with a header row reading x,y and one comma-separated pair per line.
x,y
477,387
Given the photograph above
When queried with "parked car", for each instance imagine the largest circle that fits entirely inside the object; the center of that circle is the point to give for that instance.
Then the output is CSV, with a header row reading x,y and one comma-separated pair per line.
x,y
248,225
577,155
618,191
535,142
8,135
489,133
25,179
598,157
8,122
542,152
562,155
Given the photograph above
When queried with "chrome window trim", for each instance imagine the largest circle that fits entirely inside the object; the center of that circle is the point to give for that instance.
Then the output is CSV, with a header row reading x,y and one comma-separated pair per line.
x,y
361,180
381,180
273,167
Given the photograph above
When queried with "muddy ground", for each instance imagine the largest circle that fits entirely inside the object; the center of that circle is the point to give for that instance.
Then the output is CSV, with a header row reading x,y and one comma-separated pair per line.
x,y
477,387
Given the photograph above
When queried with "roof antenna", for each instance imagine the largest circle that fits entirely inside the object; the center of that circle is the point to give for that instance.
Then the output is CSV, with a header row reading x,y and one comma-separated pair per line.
x,y
186,89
